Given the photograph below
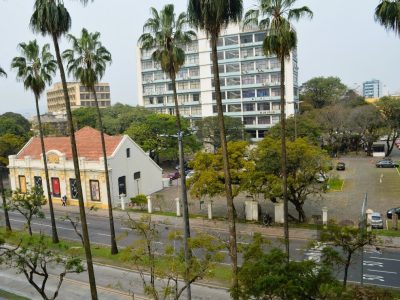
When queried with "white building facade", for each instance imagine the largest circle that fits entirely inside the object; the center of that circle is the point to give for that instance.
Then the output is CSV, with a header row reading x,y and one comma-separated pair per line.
x,y
250,81
131,170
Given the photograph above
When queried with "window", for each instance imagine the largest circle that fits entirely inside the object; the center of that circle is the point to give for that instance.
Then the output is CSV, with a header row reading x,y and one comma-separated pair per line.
x,y
182,74
192,59
249,93
55,186
246,38
147,77
233,94
215,110
148,89
136,175
160,100
258,51
248,79
276,106
183,98
262,92
263,120
196,110
195,84
230,81
22,183
148,64
192,47
37,180
231,54
73,189
232,68
248,66
220,42
274,63
220,69
128,152
160,88
249,120
246,52
252,133
275,78
261,65
259,37
234,108
183,85
261,134
94,190
158,76
261,78
263,106
248,106
196,97
222,95
221,82
275,92
231,40
194,72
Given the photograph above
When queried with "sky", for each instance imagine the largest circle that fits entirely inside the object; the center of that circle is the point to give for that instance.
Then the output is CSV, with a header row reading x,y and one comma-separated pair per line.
x,y
341,40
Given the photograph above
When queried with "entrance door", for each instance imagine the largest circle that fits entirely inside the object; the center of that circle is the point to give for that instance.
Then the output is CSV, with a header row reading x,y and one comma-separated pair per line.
x,y
55,185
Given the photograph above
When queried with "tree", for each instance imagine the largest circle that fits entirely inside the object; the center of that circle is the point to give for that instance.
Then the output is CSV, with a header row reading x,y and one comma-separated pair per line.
x,y
212,17
390,108
304,163
34,258
85,116
9,145
167,266
2,72
86,62
35,67
29,205
4,200
387,13
274,16
268,275
349,240
323,91
50,17
165,35
15,124
208,131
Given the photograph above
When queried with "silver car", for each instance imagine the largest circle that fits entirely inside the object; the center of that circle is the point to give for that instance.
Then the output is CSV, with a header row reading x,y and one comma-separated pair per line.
x,y
376,220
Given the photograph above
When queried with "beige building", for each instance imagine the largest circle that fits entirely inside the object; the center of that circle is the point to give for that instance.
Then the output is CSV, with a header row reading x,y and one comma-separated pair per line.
x,y
80,96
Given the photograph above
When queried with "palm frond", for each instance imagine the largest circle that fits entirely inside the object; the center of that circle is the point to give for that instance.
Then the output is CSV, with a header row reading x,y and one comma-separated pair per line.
x,y
387,13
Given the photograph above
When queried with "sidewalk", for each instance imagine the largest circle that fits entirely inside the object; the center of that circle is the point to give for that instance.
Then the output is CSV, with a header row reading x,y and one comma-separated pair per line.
x,y
203,224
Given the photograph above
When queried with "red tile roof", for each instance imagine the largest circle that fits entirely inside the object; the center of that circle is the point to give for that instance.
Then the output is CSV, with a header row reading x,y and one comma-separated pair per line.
x,y
88,143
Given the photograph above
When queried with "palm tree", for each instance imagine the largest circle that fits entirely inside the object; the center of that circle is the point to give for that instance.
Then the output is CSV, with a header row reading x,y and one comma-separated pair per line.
x,y
387,13
35,67
211,16
87,63
274,17
50,17
2,72
165,35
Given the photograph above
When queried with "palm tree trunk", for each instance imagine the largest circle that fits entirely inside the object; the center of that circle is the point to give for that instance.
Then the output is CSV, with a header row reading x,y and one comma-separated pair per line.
x,y
186,223
3,197
114,248
231,213
46,174
82,213
284,160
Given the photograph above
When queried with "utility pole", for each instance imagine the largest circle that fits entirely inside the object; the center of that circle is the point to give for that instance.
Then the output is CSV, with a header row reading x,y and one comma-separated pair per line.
x,y
362,229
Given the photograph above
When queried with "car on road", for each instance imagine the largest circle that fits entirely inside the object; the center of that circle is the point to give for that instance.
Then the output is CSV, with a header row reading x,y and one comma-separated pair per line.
x,y
340,166
386,164
322,177
390,212
174,175
376,220
190,174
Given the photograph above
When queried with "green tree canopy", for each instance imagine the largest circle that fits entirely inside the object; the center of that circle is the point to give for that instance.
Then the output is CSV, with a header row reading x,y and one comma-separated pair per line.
x,y
10,144
390,108
15,124
323,91
387,13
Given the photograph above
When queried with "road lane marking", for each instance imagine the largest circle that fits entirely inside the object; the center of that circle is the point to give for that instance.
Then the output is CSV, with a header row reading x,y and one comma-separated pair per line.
x,y
373,277
373,263
105,234
39,224
380,271
384,258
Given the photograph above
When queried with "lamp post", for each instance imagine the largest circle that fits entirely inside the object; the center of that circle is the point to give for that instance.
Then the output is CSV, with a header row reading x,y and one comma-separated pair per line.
x,y
3,197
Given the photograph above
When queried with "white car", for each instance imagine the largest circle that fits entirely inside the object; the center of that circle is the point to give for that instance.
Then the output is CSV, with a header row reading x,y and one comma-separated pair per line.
x,y
190,174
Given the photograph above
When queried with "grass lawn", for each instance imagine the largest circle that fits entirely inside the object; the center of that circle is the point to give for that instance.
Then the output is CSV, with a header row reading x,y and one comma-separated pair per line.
x,y
10,296
335,184
220,274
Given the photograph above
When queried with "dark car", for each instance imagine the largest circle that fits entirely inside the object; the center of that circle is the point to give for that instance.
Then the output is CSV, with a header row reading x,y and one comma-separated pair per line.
x,y
389,213
386,164
174,175
340,166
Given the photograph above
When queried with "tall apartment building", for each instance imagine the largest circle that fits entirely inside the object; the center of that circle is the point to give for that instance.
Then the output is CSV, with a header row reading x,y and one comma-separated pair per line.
x,y
250,82
79,95
372,89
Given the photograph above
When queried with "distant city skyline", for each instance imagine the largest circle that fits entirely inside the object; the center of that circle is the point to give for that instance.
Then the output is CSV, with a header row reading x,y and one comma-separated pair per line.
x,y
346,43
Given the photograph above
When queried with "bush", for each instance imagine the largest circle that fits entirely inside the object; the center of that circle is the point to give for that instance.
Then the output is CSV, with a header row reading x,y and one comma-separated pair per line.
x,y
140,200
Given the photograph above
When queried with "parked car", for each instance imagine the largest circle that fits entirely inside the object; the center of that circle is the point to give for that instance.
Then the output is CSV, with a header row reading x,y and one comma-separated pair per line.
x,y
174,175
322,177
340,166
376,220
190,174
386,164
390,212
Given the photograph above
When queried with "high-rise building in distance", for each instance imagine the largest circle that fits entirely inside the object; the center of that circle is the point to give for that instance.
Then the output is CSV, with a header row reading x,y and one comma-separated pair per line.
x,y
372,89
79,95
250,81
